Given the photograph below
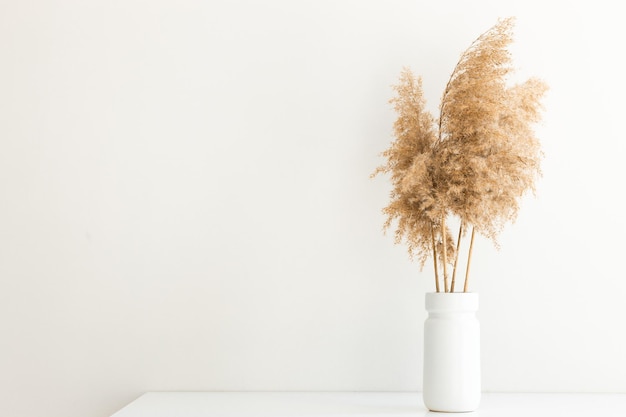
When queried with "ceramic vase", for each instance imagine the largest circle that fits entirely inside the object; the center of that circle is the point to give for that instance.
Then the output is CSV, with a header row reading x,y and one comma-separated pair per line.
x,y
451,352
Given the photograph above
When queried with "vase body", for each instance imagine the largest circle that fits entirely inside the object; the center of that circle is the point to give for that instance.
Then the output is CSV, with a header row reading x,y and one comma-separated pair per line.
x,y
451,352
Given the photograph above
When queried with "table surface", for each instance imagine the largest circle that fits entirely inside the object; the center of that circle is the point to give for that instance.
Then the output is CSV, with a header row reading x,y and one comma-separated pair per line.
x,y
344,404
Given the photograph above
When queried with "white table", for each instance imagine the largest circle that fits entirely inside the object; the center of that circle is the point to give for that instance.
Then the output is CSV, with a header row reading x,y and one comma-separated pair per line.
x,y
370,404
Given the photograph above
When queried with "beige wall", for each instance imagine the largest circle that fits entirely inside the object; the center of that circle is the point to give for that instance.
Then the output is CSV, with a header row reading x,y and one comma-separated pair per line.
x,y
185,201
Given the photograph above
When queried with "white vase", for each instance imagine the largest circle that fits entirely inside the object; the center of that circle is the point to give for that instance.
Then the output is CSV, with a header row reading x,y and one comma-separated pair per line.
x,y
451,352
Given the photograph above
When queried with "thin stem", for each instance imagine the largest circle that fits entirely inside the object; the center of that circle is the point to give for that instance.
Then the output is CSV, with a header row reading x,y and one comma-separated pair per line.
x,y
432,235
456,257
469,260
445,256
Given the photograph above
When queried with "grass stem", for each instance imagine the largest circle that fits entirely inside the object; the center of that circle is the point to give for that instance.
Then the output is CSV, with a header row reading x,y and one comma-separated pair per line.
x,y
432,235
456,257
445,256
469,260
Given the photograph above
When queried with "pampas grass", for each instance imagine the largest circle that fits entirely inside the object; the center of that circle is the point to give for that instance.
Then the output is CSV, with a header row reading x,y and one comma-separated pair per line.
x,y
473,162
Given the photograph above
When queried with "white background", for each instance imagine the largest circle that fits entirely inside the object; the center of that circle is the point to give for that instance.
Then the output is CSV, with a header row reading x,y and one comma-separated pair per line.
x,y
185,201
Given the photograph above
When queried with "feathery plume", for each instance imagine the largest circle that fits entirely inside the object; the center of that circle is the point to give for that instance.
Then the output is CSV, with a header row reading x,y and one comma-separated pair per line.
x,y
474,162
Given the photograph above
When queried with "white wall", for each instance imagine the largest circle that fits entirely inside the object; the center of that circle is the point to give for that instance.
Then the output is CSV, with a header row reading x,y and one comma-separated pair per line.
x,y
185,201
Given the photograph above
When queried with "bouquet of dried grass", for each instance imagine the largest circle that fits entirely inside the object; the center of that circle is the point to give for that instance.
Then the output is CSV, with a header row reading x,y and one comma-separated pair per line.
x,y
473,162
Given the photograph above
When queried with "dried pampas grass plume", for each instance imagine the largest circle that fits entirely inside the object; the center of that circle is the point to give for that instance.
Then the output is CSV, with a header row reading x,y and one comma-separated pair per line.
x,y
473,162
